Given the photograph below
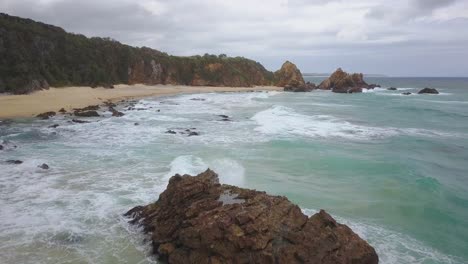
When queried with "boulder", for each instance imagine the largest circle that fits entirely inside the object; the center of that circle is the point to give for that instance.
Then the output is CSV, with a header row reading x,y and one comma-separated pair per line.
x,y
115,112
1,147
406,93
43,166
428,91
54,126
193,134
86,113
392,89
198,220
46,115
347,90
342,82
171,132
289,74
373,85
62,110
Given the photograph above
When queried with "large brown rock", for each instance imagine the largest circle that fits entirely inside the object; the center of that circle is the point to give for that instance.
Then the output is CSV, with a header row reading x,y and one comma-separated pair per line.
x,y
198,220
289,75
342,82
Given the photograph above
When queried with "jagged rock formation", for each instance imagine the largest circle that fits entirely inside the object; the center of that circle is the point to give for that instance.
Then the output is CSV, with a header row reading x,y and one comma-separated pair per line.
x,y
34,55
198,220
342,82
289,75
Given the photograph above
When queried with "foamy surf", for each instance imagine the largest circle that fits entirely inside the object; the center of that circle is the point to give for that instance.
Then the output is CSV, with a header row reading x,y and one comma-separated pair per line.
x,y
229,171
284,121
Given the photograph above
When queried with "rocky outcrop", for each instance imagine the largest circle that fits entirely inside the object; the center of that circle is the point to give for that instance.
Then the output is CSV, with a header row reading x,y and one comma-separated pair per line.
x,y
198,220
308,87
428,91
289,75
342,82
46,115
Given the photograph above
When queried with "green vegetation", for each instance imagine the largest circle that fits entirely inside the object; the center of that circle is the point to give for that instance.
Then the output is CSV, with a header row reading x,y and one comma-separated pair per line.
x,y
34,55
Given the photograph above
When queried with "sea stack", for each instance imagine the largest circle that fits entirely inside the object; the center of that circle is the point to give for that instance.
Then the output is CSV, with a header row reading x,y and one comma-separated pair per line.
x,y
290,77
199,220
342,82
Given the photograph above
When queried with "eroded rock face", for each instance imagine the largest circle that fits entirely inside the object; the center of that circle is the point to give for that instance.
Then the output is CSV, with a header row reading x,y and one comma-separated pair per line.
x,y
342,82
289,75
198,220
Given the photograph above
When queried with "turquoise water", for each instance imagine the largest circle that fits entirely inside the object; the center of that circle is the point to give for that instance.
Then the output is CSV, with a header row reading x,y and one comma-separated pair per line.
x,y
392,167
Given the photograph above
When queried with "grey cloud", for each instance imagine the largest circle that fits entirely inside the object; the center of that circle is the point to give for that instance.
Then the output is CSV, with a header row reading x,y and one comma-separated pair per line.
x,y
316,33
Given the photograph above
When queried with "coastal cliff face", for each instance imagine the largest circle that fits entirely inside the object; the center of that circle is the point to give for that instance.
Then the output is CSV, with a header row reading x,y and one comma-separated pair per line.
x,y
34,55
342,82
198,220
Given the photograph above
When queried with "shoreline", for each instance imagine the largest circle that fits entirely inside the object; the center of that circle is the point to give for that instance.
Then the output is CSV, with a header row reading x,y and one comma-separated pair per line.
x,y
30,105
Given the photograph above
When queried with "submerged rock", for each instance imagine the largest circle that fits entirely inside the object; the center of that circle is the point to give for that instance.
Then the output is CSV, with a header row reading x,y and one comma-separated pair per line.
x,y
44,166
79,121
342,82
1,147
171,132
54,126
373,85
428,91
193,134
406,93
392,89
46,115
198,220
16,162
115,112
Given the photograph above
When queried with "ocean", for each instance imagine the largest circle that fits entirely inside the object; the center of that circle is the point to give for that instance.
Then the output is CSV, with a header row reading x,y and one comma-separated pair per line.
x,y
392,167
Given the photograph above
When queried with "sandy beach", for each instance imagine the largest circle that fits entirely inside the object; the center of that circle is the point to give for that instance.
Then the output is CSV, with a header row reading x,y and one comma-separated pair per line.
x,y
14,106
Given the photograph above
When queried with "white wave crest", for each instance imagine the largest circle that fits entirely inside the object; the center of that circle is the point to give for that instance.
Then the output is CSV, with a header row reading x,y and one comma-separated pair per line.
x,y
229,171
284,121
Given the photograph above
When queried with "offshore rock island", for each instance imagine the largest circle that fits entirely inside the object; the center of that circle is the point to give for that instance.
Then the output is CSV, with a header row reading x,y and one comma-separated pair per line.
x,y
198,220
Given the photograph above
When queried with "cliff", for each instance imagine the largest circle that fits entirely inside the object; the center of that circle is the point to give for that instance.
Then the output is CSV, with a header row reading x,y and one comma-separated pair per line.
x,y
198,220
34,55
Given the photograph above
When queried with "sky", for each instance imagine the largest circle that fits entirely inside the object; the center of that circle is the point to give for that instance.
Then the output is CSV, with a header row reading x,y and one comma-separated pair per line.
x,y
397,38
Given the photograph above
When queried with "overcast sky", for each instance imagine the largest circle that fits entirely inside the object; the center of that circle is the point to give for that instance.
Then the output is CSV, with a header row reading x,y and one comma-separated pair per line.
x,y
399,38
